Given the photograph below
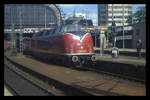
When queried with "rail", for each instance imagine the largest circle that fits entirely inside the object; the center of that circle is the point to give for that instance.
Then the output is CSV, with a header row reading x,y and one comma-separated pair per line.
x,y
30,81
68,90
74,88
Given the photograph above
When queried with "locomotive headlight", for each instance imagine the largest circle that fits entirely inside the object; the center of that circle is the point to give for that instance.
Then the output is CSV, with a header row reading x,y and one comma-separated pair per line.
x,y
93,58
75,58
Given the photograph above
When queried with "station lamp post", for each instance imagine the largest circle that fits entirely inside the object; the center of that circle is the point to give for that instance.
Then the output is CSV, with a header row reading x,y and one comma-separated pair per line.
x,y
113,26
45,18
123,26
101,42
123,34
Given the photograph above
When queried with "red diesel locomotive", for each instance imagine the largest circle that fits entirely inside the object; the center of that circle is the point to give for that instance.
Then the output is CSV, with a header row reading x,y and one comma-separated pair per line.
x,y
71,44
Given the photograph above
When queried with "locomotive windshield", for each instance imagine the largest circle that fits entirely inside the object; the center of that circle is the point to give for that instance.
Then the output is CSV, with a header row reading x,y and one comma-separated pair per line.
x,y
77,29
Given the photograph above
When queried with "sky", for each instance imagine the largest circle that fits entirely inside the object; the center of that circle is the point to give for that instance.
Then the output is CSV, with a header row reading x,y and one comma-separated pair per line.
x,y
90,9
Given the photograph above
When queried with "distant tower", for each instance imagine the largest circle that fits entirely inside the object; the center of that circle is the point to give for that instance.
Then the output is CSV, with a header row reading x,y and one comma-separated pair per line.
x,y
74,13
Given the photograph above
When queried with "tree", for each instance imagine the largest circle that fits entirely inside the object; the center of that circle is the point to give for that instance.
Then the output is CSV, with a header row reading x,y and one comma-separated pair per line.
x,y
129,19
138,16
108,34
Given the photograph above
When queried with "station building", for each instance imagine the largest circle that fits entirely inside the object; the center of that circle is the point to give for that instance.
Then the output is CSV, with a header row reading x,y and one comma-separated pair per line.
x,y
27,19
108,13
132,33
31,15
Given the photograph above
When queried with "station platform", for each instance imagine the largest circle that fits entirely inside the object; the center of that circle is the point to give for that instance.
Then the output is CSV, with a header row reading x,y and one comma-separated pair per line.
x,y
124,65
122,59
121,49
7,92
123,52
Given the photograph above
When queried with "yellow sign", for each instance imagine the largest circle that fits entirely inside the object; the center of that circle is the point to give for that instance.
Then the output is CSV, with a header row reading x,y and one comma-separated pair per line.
x,y
102,27
91,28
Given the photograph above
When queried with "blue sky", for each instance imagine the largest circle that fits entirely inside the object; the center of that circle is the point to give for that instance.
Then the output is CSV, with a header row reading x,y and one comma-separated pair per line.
x,y
68,9
135,6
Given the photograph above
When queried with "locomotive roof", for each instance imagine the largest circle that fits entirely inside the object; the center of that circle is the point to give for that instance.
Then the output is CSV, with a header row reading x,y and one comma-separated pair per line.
x,y
75,28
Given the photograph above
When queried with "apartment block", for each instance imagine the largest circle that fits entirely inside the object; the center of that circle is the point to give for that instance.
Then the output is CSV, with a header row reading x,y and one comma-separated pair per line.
x,y
113,12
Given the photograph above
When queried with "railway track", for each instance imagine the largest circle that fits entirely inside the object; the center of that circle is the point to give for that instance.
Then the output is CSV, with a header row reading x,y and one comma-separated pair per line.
x,y
21,85
60,90
76,88
10,89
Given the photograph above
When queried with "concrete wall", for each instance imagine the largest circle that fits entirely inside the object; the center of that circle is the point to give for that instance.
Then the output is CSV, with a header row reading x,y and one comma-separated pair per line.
x,y
139,32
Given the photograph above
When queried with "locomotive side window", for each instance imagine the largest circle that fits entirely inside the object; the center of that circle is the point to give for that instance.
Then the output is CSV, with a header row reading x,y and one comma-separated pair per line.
x,y
47,32
40,34
36,34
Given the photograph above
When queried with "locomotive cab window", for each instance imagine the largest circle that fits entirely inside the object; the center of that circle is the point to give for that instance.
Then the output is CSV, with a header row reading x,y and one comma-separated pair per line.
x,y
74,28
77,29
35,35
45,32
40,34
